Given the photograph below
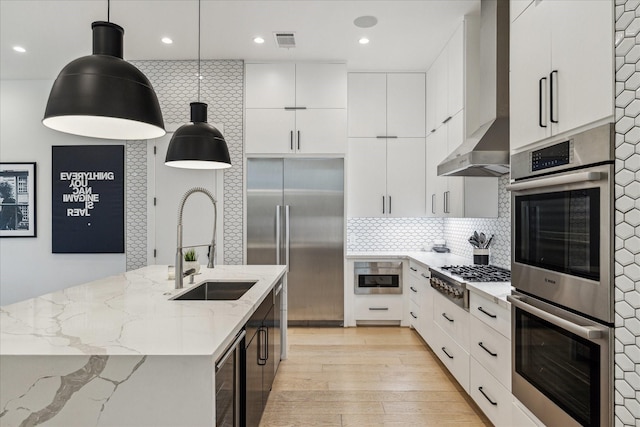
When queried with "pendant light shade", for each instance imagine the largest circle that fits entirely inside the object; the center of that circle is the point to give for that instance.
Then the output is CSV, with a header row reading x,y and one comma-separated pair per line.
x,y
104,96
198,145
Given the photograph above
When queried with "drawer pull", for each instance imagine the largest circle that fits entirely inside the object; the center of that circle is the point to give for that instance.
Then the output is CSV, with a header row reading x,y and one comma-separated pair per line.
x,y
413,269
487,350
487,397
424,275
493,316
445,352
447,317
413,289
378,308
413,315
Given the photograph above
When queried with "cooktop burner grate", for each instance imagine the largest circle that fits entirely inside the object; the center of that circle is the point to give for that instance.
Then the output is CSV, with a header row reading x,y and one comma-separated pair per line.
x,y
479,273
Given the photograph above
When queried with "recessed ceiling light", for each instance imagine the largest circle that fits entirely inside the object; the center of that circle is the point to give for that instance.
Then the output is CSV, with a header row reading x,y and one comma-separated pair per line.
x,y
365,21
19,49
363,40
258,40
167,40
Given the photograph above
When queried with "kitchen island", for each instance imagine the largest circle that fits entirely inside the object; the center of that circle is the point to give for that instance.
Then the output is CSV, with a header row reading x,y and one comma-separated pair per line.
x,y
119,351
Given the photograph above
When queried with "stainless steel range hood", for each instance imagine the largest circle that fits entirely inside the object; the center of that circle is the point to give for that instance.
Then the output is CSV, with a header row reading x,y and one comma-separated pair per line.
x,y
486,151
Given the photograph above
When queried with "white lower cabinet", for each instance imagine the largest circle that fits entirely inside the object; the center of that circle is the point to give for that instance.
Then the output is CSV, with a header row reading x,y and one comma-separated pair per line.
x,y
490,313
378,307
492,350
452,319
452,355
491,396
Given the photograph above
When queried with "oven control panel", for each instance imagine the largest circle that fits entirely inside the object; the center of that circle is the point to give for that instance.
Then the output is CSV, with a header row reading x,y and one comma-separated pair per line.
x,y
552,156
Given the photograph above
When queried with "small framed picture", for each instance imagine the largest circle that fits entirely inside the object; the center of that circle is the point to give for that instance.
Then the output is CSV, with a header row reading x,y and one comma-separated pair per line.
x,y
18,199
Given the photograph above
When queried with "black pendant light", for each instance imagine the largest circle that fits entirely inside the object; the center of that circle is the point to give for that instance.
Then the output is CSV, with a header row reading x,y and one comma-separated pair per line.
x,y
198,145
102,95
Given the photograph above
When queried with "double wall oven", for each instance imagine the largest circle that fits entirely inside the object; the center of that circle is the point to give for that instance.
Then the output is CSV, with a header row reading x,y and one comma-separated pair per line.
x,y
562,264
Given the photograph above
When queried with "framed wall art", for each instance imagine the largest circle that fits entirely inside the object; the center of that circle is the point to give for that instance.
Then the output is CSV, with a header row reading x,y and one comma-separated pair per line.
x,y
87,199
18,200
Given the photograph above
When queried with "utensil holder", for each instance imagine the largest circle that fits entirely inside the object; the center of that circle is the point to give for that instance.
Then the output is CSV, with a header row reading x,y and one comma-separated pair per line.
x,y
481,256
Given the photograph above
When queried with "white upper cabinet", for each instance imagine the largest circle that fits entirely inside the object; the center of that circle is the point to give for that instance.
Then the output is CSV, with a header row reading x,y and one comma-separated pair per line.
x,y
382,105
386,177
367,177
295,108
270,85
367,105
446,80
406,177
570,84
321,85
406,104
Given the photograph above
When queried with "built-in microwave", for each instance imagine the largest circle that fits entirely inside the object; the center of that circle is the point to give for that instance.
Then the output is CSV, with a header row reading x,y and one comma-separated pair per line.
x,y
375,277
562,223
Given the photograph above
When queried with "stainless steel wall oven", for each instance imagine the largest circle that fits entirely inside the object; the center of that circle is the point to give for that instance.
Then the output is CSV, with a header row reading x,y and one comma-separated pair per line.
x,y
377,278
562,223
562,269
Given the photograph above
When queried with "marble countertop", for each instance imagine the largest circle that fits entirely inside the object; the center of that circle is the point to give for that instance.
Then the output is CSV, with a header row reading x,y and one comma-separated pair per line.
x,y
497,292
132,314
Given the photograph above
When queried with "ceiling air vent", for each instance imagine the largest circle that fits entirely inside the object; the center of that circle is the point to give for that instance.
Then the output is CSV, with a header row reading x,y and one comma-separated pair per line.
x,y
286,39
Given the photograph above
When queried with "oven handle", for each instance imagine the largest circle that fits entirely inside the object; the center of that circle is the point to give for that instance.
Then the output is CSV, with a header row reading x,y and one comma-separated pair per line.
x,y
586,332
556,180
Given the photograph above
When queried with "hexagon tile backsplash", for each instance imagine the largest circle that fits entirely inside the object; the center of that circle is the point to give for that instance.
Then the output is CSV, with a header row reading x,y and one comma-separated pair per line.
x,y
627,228
415,234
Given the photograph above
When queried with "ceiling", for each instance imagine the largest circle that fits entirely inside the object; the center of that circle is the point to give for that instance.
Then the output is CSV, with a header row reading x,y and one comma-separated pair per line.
x,y
409,34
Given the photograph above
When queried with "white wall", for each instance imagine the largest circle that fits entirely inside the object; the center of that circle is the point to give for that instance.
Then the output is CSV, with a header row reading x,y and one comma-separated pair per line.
x,y
27,266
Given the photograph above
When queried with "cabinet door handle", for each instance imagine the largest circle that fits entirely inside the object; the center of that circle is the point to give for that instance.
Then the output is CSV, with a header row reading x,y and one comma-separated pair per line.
x,y
446,120
487,397
447,317
387,136
413,289
540,104
378,308
261,360
444,350
487,350
291,140
389,204
413,269
446,201
413,315
433,203
424,275
493,316
298,140
551,95
433,130
295,108
383,210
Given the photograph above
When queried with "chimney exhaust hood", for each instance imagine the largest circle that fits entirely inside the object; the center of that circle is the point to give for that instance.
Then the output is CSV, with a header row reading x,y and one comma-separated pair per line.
x,y
486,151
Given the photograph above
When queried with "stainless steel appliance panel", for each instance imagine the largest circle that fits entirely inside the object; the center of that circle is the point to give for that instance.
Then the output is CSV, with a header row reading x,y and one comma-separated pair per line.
x,y
314,193
265,198
586,288
229,376
295,216
377,278
562,366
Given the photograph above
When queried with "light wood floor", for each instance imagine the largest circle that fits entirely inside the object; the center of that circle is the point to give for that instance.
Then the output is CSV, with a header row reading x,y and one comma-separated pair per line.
x,y
365,377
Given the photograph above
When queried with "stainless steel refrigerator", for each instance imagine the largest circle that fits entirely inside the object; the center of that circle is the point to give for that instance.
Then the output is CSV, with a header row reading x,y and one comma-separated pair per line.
x,y
295,216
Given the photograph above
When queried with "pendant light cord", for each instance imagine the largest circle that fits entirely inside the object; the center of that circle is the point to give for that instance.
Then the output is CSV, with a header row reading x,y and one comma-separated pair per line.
x,y
199,75
108,10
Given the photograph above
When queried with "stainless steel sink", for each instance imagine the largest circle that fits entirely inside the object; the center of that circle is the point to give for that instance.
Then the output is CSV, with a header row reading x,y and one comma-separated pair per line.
x,y
216,291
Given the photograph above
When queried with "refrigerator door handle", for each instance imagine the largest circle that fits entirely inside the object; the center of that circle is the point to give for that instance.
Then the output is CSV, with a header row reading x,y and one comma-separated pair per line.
x,y
287,240
278,233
